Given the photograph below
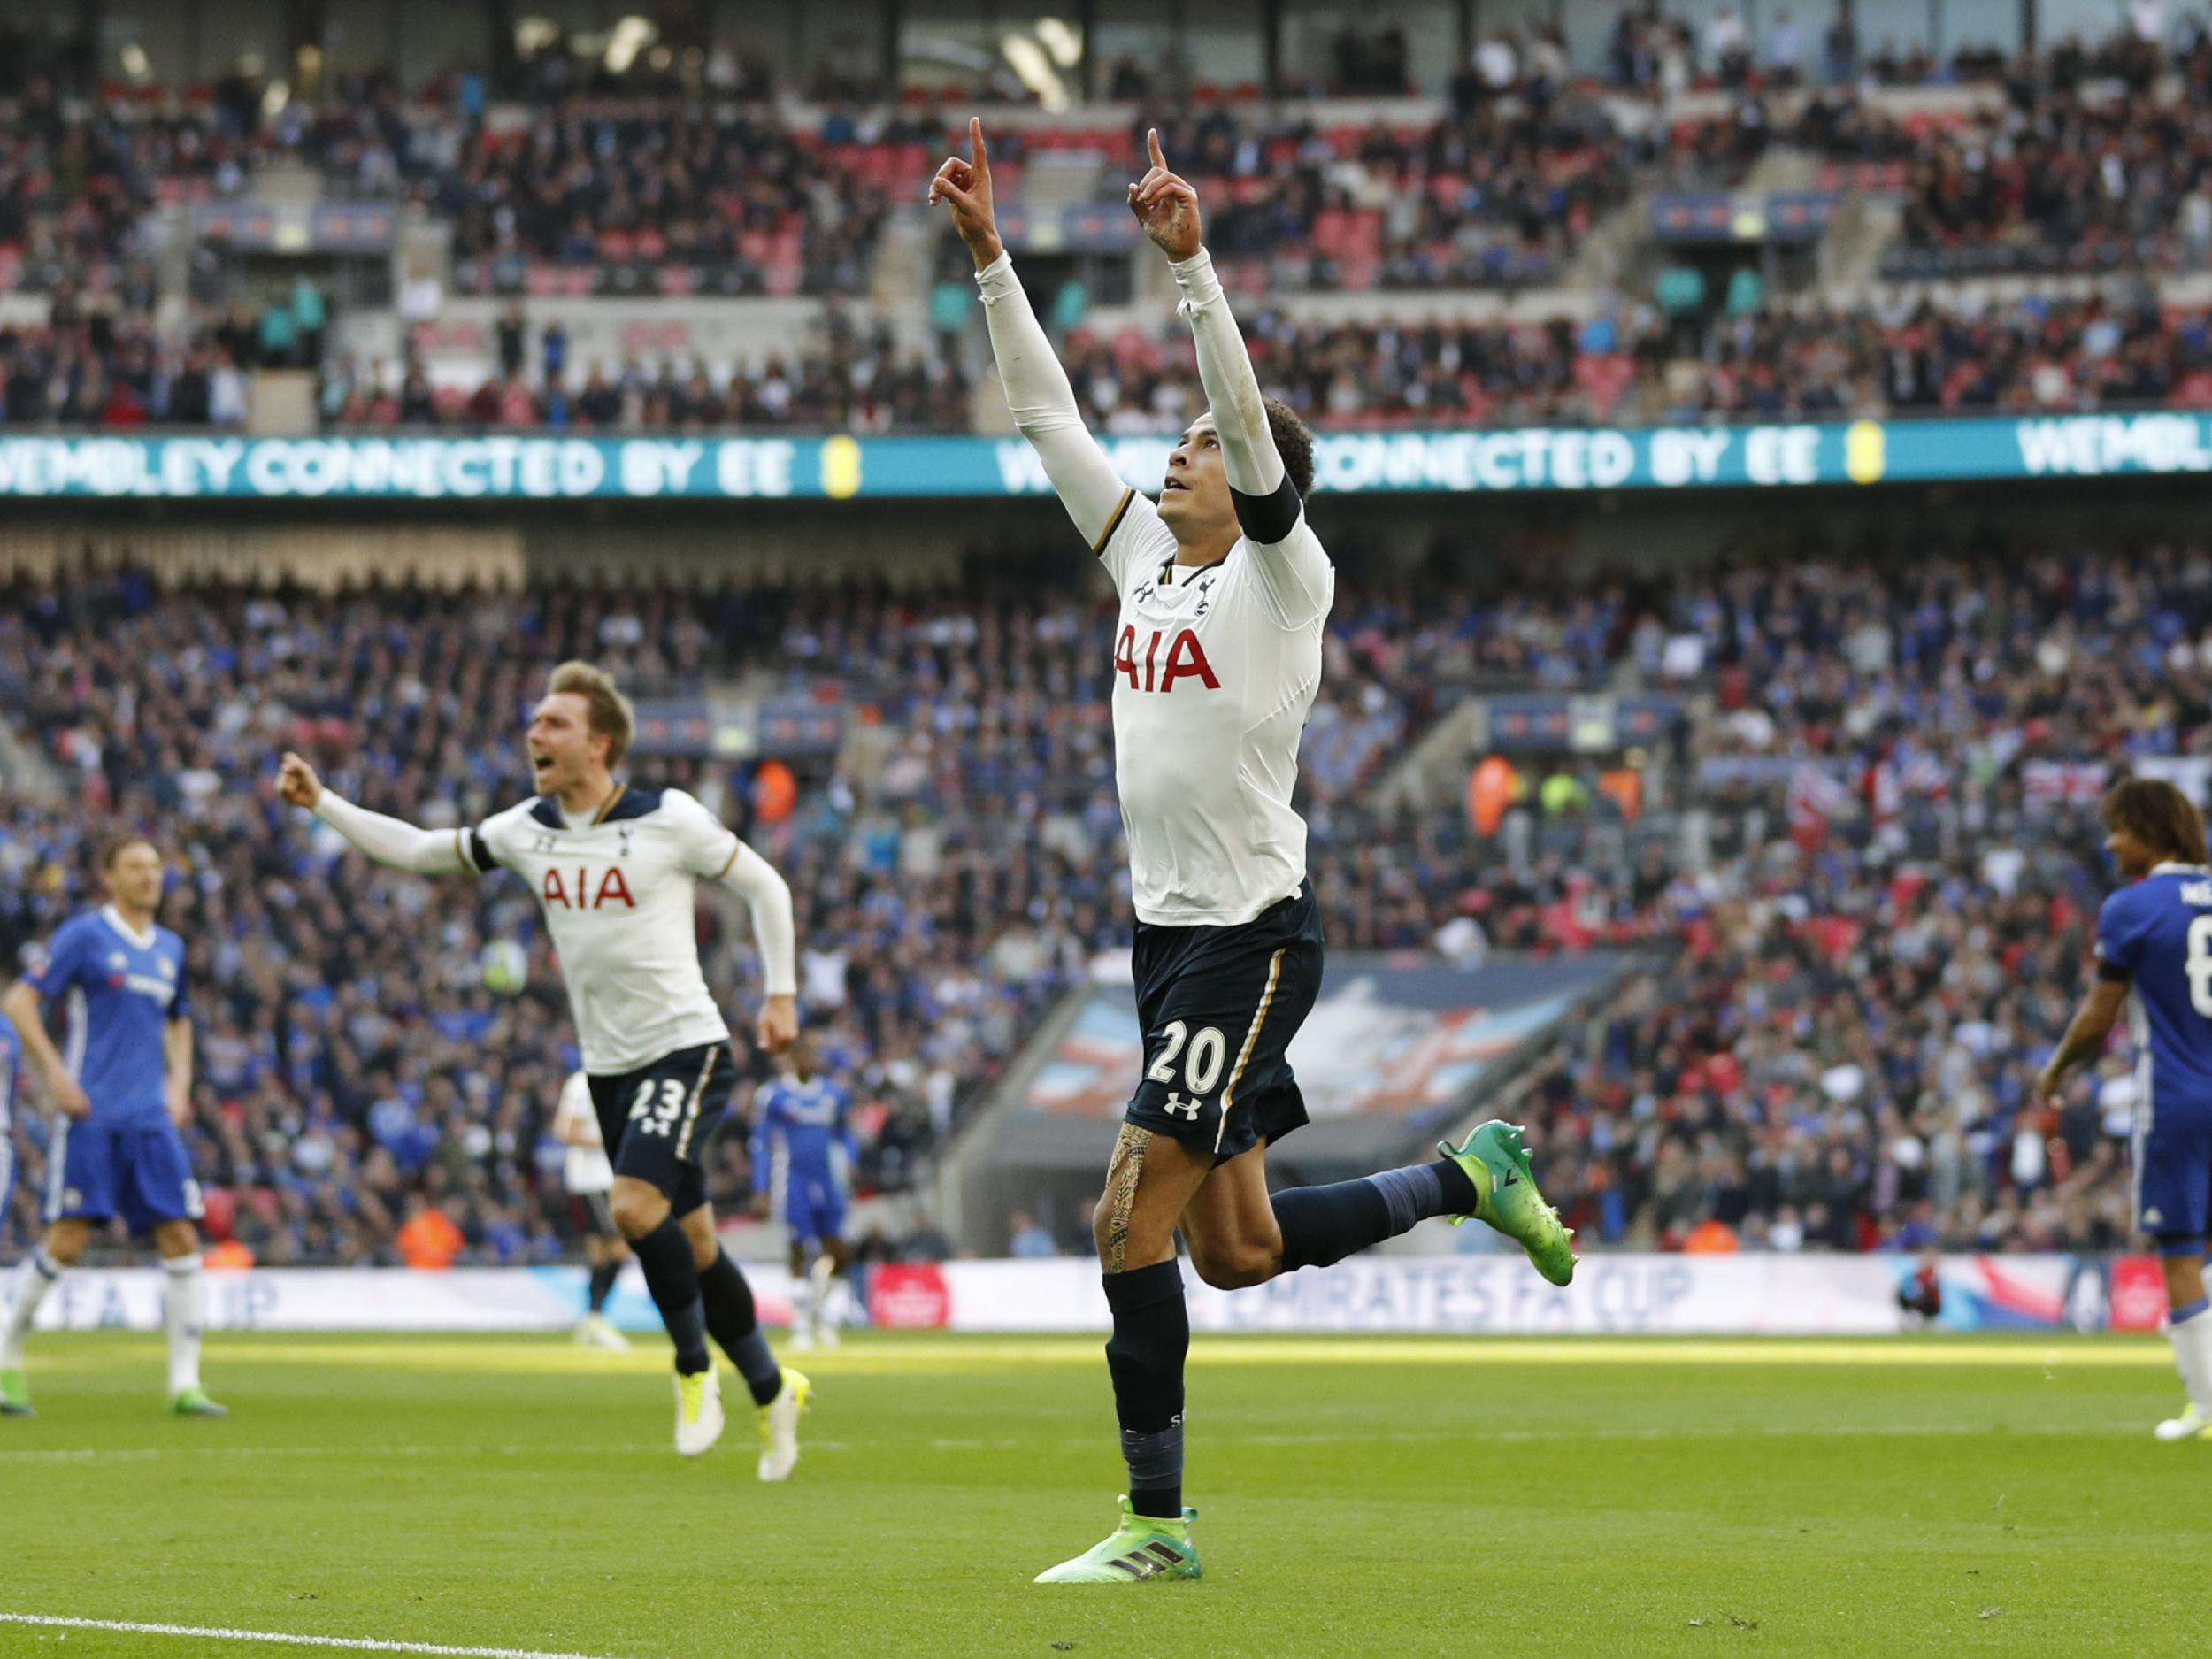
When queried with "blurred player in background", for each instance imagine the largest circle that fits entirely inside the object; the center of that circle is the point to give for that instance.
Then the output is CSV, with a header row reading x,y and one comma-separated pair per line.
x,y
2155,949
616,871
11,1086
123,1094
1920,1298
803,1157
1223,590
589,1178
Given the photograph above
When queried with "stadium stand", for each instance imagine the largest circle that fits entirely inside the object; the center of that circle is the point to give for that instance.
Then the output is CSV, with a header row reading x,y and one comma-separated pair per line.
x,y
107,371
1892,750
1833,1047
348,1073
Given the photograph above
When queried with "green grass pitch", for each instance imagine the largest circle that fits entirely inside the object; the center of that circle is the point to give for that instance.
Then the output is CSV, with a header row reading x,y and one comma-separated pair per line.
x,y
1391,1496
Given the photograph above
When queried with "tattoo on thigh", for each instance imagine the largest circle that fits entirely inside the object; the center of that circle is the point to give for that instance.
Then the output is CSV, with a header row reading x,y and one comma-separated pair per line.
x,y
1121,1192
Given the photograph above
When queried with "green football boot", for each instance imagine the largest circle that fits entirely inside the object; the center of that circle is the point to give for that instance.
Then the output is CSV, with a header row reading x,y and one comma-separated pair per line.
x,y
15,1394
1142,1547
193,1402
1507,1197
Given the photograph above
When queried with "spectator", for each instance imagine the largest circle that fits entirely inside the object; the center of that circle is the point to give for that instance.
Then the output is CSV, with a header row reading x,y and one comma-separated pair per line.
x,y
429,1239
310,319
514,342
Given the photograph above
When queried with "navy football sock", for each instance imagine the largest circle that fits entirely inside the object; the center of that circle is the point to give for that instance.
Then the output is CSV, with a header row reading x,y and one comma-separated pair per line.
x,y
1145,1356
735,1324
602,1278
1321,1225
666,1255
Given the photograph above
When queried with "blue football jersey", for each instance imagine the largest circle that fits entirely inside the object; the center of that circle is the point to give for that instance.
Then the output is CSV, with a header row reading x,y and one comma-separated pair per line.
x,y
10,1084
802,1129
116,991
2157,934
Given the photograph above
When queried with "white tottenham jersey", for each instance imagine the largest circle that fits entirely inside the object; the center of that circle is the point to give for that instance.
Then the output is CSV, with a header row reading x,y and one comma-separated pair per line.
x,y
586,1169
618,897
1214,669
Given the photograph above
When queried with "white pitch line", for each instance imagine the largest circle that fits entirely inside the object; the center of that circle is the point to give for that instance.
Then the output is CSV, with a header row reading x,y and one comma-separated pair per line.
x,y
143,1454
355,1644
1685,1432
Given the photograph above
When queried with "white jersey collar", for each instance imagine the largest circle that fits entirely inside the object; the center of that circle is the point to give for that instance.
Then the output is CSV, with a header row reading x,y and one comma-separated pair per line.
x,y
114,919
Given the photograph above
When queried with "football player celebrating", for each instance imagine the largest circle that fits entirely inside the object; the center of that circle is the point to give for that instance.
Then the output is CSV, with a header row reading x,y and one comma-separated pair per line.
x,y
616,869
1223,589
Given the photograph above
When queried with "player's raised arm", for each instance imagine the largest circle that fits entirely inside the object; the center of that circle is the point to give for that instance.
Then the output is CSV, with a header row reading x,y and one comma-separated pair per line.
x,y
385,839
1266,500
1037,389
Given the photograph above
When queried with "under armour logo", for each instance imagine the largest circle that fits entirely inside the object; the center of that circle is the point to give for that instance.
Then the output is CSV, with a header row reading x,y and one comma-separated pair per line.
x,y
542,842
1177,1102
1144,593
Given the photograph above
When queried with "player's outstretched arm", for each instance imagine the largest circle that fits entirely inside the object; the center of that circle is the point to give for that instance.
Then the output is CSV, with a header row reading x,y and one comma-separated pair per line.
x,y
385,839
1167,207
1037,389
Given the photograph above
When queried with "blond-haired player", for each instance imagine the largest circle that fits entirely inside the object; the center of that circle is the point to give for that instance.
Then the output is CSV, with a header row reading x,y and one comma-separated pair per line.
x,y
616,869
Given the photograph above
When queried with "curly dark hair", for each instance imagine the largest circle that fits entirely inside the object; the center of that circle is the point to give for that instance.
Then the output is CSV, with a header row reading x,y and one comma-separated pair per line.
x,y
2158,816
1294,442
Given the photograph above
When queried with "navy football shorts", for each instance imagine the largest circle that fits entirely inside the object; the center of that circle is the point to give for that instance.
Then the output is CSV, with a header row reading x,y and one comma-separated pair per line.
x,y
1218,1007
657,1120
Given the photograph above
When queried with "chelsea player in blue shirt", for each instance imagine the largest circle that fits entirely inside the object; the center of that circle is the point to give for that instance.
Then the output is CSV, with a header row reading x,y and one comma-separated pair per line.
x,y
2155,950
803,1159
123,1090
10,1076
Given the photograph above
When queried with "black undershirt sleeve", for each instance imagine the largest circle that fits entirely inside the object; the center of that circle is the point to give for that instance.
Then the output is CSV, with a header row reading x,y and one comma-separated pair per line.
x,y
2112,973
1267,518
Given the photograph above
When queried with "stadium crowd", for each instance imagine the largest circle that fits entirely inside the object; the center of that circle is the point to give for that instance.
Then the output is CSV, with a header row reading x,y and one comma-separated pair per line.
x,y
1852,1067
1842,1052
633,182
1632,364
354,1064
98,367
861,387
357,1066
1849,991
